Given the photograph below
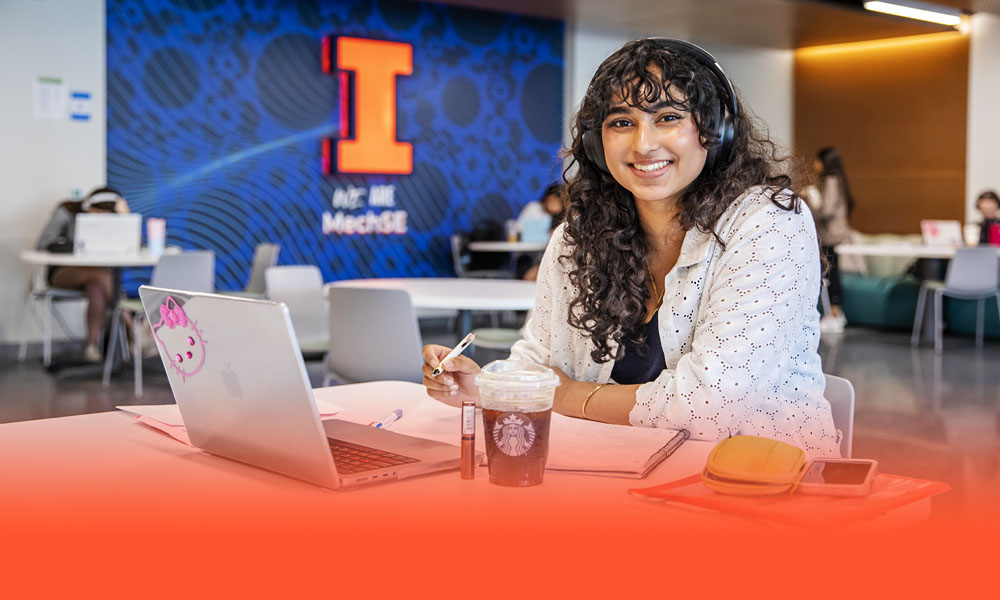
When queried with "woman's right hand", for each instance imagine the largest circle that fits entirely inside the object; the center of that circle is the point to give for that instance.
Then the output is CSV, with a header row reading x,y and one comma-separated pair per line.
x,y
456,383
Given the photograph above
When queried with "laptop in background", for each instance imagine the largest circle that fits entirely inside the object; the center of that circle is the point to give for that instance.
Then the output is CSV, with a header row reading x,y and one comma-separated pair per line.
x,y
942,233
107,234
237,375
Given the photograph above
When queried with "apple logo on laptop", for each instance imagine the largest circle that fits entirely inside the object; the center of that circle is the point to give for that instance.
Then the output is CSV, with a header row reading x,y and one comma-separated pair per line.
x,y
231,380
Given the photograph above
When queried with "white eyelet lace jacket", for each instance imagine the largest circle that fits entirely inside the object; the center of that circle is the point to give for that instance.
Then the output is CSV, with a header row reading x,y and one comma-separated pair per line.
x,y
738,325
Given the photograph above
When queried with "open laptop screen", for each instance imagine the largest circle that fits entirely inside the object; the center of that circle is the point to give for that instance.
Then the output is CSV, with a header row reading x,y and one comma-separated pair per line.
x,y
107,234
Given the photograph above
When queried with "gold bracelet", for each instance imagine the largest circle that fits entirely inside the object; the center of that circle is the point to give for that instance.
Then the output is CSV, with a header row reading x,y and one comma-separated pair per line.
x,y
586,399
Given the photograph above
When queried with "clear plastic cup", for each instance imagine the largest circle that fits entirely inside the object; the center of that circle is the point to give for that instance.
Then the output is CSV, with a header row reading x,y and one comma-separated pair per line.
x,y
516,397
513,229
156,235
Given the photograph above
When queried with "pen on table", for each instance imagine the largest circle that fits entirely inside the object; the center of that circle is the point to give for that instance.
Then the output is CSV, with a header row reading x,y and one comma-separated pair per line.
x,y
454,352
387,420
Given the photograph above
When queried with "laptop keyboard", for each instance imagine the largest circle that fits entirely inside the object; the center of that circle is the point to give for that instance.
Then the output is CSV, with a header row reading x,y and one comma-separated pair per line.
x,y
355,458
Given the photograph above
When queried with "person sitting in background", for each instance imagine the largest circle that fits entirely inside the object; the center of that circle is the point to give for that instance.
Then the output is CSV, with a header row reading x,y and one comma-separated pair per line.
x,y
988,205
681,290
95,282
831,204
551,205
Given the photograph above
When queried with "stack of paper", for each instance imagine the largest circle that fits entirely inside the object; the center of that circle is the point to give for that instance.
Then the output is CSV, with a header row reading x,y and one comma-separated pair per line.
x,y
575,445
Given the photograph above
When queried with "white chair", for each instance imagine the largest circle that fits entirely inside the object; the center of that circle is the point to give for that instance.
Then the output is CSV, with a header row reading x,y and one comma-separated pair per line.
x,y
265,256
972,275
496,338
189,271
300,287
38,289
374,336
840,394
499,338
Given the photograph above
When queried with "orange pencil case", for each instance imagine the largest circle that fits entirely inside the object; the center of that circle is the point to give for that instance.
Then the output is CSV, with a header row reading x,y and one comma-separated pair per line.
x,y
748,465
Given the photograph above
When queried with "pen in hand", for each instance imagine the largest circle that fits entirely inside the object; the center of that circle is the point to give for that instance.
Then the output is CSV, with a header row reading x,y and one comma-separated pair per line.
x,y
454,352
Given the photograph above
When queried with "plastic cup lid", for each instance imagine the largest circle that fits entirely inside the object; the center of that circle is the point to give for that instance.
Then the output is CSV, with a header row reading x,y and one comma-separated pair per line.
x,y
517,374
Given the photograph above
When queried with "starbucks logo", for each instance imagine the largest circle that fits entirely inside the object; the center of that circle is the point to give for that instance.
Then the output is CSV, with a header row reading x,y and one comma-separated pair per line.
x,y
513,434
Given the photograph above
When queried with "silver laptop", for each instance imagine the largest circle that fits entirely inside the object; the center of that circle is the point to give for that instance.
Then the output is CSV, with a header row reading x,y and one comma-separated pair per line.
x,y
107,234
237,374
942,233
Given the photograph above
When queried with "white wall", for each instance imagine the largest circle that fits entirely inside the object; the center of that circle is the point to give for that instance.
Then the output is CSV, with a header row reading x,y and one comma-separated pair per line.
x,y
982,160
42,162
763,76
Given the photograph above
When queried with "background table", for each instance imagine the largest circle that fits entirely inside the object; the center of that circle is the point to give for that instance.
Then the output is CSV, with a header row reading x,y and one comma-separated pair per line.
x,y
507,246
67,259
456,293
902,250
933,267
463,294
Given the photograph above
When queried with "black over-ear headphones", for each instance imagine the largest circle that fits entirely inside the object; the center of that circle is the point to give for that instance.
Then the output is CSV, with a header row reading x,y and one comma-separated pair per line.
x,y
723,117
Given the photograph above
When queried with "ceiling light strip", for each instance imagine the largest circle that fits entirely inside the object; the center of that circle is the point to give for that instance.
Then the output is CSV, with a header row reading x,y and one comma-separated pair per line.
x,y
910,12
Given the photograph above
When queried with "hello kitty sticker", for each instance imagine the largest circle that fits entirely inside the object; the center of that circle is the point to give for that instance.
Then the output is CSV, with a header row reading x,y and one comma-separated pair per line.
x,y
181,339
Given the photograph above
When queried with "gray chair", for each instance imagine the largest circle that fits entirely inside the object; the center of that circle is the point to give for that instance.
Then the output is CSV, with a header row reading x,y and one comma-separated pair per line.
x,y
300,287
460,258
188,271
373,336
265,256
39,290
840,394
972,275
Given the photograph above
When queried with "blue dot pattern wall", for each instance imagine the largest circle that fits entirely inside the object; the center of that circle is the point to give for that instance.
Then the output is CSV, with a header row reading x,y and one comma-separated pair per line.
x,y
217,110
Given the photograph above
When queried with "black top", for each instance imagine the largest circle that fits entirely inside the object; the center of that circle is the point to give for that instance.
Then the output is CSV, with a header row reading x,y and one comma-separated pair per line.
x,y
984,230
634,368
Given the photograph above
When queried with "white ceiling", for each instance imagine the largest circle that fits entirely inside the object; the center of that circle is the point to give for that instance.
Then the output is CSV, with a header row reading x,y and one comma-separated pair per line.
x,y
765,23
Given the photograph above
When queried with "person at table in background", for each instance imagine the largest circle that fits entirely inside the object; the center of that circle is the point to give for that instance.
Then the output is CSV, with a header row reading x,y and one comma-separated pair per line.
x,y
550,205
831,204
681,290
95,282
988,205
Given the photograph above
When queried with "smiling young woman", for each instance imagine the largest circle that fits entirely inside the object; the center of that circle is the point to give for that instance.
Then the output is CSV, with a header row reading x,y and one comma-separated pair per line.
x,y
687,272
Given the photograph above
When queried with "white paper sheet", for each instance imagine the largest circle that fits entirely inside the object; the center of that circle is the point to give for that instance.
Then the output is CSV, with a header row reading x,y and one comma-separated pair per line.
x,y
167,417
169,414
433,420
178,432
51,98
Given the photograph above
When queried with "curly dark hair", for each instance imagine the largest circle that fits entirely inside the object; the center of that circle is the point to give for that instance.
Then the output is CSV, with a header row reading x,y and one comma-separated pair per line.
x,y
988,195
607,260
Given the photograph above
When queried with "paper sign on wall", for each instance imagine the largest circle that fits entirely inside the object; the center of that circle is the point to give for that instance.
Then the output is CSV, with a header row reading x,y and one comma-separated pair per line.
x,y
50,99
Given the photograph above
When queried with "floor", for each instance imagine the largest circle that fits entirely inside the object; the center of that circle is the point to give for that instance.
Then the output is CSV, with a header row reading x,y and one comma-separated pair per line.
x,y
917,413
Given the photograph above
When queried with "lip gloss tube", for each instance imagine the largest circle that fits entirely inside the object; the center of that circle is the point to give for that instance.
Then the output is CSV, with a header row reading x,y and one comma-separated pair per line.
x,y
468,460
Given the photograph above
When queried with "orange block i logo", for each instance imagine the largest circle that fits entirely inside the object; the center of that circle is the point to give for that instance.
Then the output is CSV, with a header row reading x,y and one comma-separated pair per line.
x,y
367,70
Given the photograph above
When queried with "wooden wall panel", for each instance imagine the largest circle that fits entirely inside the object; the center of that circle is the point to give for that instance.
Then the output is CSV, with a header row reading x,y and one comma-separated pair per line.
x,y
896,110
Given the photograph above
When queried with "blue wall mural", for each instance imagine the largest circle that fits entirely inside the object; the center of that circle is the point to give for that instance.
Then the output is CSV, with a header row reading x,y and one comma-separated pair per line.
x,y
217,110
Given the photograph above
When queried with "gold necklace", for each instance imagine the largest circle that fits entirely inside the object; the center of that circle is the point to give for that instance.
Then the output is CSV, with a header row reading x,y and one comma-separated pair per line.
x,y
659,300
